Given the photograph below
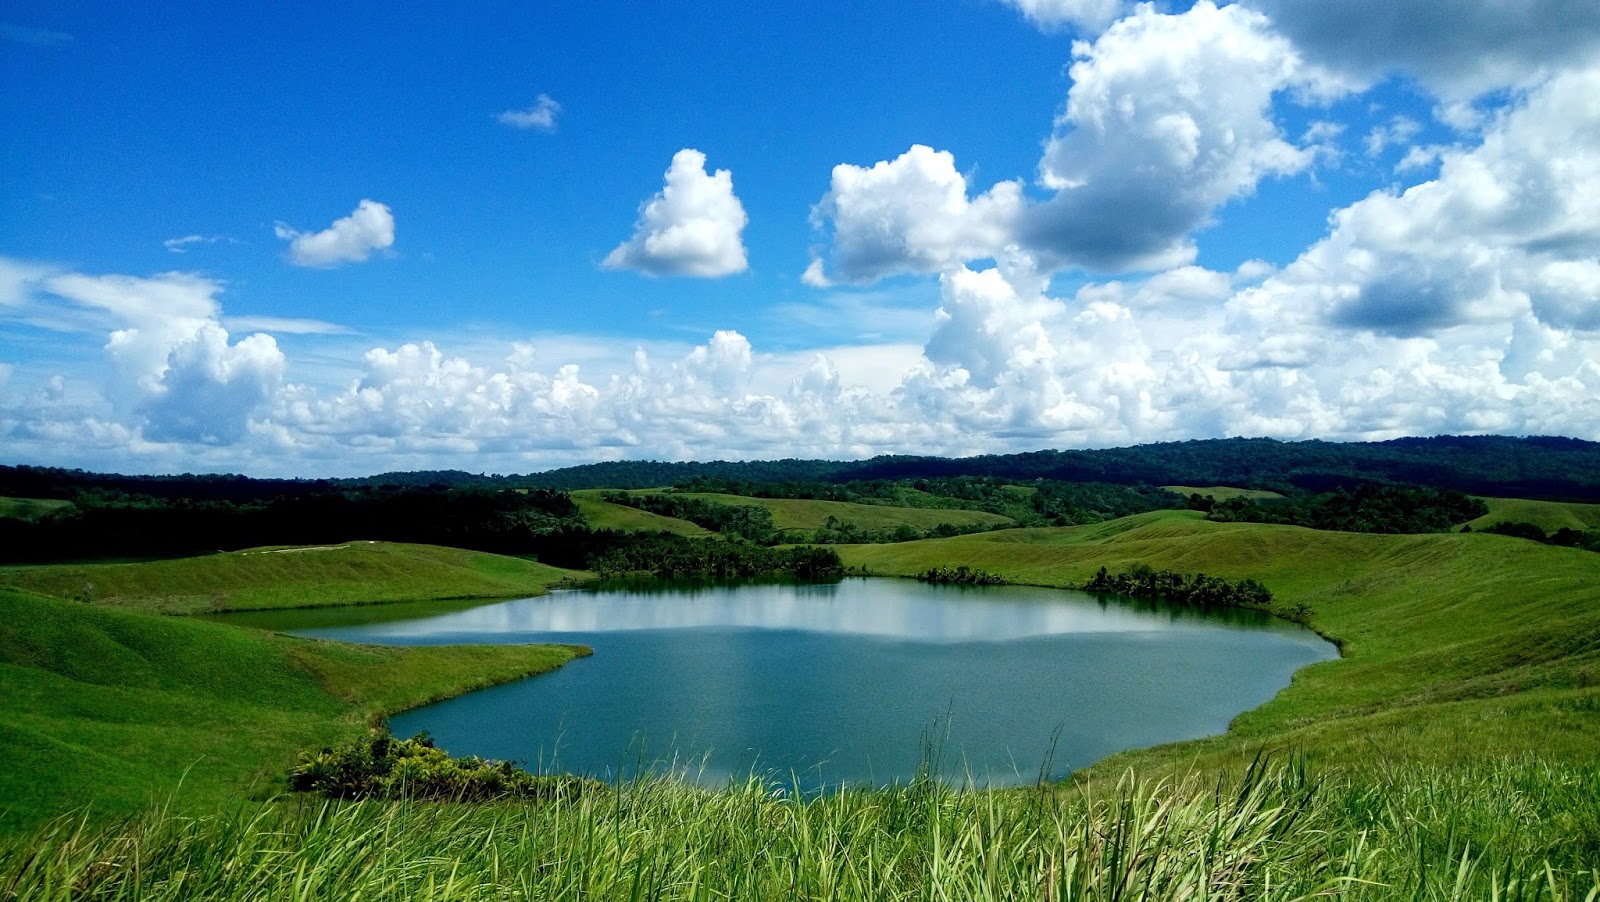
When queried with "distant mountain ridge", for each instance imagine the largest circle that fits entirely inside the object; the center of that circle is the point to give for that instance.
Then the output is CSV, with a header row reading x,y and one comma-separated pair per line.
x,y
1545,467
1542,467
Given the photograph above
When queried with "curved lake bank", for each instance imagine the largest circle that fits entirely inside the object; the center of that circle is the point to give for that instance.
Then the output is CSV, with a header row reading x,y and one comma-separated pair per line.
x,y
856,682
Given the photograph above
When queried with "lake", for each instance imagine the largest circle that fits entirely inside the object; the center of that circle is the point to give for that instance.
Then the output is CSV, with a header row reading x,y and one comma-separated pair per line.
x,y
857,682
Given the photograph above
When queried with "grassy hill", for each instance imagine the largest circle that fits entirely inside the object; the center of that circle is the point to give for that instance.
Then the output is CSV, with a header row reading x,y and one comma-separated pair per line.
x,y
1549,516
115,709
257,578
30,508
807,514
604,515
1457,647
1450,754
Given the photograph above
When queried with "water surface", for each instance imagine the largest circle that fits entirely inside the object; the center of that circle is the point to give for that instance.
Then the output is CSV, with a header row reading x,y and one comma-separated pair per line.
x,y
857,682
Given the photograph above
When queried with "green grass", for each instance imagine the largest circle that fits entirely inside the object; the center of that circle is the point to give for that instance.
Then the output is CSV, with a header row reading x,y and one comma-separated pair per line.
x,y
1456,647
1453,753
316,576
30,508
1549,516
1221,492
805,513
605,515
113,710
1512,830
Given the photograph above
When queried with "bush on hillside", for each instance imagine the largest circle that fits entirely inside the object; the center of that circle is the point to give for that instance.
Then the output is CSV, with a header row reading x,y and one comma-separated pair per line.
x,y
383,767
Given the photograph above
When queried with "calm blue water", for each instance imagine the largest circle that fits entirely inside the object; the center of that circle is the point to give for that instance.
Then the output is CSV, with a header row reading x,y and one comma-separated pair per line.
x,y
856,682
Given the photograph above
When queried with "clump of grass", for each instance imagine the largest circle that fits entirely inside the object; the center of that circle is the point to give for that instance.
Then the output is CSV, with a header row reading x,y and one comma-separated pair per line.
x,y
1508,831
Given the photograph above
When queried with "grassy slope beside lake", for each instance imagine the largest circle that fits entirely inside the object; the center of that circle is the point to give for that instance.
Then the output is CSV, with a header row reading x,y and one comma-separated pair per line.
x,y
114,709
317,576
1457,647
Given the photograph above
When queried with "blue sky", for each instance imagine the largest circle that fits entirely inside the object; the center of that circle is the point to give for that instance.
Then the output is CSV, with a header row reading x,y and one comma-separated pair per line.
x,y
288,239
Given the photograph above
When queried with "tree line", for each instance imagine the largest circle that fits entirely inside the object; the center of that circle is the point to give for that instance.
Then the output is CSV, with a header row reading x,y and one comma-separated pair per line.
x,y
1369,508
1565,537
1546,467
541,524
1143,581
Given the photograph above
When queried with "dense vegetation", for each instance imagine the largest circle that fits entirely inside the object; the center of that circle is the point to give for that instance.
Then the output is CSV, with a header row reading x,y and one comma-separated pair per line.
x,y
1041,502
379,766
1535,467
107,523
834,531
667,556
1370,508
960,576
1548,467
1565,537
1142,581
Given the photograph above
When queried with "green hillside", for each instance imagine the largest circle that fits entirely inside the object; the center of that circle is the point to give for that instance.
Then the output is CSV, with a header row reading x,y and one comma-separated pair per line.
x,y
605,515
1456,647
30,508
316,576
114,710
1549,516
805,513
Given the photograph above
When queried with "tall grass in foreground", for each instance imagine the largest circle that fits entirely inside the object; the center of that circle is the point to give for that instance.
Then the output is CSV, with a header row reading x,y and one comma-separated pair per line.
x,y
1512,831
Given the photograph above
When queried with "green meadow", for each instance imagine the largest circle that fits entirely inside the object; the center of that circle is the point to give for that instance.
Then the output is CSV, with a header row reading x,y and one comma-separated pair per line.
x,y
1549,516
30,508
1453,752
111,711
296,577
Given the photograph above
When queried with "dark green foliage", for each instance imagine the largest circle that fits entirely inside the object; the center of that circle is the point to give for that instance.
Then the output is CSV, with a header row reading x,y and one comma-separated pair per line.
x,y
1185,588
107,522
1545,467
667,556
1370,508
740,521
1040,502
961,576
382,767
1566,537
834,531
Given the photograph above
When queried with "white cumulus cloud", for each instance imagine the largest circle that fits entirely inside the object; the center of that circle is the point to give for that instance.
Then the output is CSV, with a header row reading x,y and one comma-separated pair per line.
x,y
1146,150
1151,142
909,215
174,371
351,239
691,228
1508,227
1086,15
